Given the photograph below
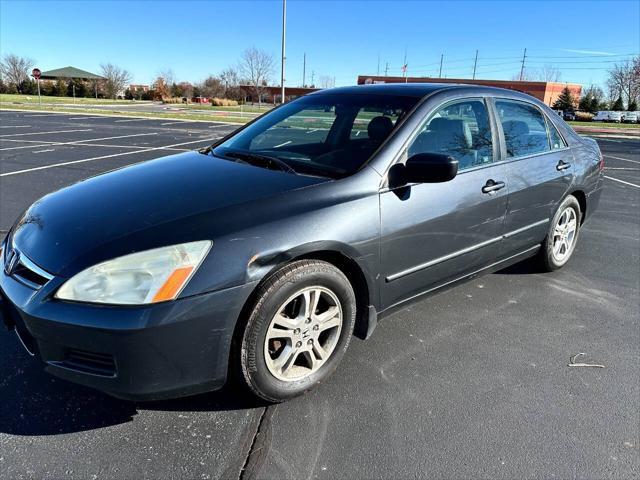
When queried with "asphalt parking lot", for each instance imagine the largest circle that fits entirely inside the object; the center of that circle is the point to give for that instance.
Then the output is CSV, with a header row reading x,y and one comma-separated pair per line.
x,y
471,383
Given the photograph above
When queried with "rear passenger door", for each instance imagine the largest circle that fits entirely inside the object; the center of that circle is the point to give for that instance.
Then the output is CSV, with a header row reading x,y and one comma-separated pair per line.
x,y
434,233
539,171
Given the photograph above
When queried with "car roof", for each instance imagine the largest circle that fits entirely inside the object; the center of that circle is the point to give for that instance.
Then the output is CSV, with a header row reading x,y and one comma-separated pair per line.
x,y
420,89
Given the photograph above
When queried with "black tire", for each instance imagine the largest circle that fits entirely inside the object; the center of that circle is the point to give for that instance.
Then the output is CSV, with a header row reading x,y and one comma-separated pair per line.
x,y
547,261
269,298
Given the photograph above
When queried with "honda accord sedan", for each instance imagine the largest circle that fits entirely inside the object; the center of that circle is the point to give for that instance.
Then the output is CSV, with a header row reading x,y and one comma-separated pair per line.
x,y
263,254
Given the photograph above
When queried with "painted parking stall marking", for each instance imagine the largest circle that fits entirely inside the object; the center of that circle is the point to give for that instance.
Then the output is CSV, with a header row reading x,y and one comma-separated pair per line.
x,y
103,157
76,142
623,159
622,181
44,133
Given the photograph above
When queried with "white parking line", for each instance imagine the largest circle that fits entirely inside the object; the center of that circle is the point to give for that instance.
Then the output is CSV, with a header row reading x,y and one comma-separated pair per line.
x,y
133,120
102,157
172,123
44,133
622,181
43,143
624,159
46,115
80,118
42,151
282,144
15,126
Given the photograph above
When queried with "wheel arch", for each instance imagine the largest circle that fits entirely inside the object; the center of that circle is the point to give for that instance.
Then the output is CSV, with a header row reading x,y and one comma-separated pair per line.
x,y
340,256
582,201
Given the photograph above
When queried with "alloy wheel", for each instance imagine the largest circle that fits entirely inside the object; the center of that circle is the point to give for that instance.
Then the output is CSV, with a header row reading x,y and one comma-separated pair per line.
x,y
303,333
564,234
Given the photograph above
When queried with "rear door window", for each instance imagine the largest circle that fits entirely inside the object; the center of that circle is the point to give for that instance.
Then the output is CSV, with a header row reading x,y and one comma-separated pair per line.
x,y
524,127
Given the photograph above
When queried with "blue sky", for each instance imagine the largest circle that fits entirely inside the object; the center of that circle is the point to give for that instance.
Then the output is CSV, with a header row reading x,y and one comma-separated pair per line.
x,y
341,38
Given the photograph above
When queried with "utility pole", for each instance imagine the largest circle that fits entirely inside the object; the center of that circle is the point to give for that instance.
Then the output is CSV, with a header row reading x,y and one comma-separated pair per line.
x,y
386,69
378,71
404,65
284,30
475,64
304,69
522,68
313,75
441,58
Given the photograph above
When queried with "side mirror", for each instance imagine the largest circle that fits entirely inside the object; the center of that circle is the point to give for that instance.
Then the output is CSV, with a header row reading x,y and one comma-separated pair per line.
x,y
424,168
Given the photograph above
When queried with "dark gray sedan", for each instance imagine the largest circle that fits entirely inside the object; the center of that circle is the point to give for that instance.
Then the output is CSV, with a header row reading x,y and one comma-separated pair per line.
x,y
263,254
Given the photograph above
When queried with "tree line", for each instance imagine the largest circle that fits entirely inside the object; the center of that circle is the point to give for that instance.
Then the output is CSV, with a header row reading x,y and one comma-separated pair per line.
x,y
255,69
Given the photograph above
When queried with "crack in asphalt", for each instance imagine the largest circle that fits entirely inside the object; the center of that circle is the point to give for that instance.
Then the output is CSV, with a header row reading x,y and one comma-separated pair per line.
x,y
259,446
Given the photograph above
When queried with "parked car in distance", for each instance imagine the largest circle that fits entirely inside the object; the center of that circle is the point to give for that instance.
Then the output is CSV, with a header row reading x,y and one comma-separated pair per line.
x,y
569,116
615,117
608,116
601,116
264,254
630,117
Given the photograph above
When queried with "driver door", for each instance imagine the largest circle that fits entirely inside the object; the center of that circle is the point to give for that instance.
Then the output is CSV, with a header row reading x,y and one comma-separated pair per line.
x,y
435,233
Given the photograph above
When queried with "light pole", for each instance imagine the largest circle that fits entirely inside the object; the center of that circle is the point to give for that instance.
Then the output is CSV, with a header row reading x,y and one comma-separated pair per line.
x,y
284,31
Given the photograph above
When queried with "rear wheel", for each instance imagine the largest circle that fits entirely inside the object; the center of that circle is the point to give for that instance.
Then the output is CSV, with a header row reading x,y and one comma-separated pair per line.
x,y
562,236
298,330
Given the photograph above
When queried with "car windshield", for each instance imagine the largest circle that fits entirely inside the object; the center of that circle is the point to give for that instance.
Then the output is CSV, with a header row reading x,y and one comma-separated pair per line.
x,y
329,135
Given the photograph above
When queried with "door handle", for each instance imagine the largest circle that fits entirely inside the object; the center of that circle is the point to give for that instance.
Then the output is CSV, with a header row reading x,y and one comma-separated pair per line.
x,y
492,186
562,165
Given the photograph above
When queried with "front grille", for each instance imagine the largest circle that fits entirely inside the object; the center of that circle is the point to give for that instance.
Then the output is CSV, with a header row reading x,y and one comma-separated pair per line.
x,y
25,275
90,362
28,273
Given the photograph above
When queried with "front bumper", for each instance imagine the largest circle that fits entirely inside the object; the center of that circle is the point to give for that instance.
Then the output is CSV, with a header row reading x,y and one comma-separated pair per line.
x,y
145,352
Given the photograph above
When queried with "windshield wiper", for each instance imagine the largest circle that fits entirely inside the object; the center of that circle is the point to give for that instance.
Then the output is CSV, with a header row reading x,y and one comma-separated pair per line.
x,y
260,160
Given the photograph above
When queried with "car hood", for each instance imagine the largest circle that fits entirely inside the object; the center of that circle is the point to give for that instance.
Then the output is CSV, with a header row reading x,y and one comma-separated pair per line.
x,y
143,206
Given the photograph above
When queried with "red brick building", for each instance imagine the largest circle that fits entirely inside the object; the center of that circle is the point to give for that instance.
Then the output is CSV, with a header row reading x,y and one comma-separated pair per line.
x,y
546,92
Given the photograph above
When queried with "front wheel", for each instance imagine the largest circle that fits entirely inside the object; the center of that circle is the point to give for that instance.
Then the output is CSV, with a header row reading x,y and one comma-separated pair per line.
x,y
298,330
562,236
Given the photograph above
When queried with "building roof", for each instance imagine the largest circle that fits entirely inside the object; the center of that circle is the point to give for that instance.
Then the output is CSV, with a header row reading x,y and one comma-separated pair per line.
x,y
69,72
406,89
546,92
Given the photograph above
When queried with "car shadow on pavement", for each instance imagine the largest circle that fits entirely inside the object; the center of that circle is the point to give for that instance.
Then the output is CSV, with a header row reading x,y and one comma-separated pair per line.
x,y
525,267
33,402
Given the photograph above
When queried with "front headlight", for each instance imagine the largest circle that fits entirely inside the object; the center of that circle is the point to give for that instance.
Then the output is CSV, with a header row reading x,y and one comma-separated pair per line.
x,y
146,277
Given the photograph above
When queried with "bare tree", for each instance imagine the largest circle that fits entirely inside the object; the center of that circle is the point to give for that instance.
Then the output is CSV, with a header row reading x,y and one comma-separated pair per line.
x,y
549,73
624,80
230,77
15,69
168,76
325,81
115,79
257,67
212,87
528,75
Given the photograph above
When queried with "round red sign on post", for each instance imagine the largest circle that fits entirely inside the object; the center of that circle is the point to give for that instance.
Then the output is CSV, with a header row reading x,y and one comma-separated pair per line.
x,y
36,73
